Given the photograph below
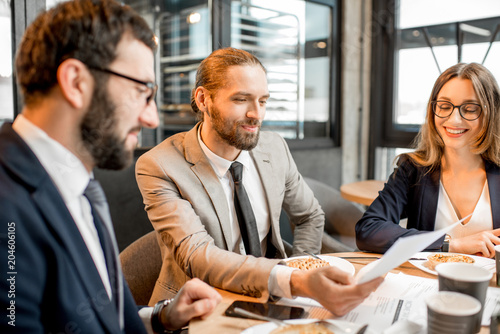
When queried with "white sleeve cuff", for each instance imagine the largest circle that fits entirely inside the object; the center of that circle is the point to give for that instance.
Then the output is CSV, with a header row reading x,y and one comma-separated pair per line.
x,y
145,315
279,281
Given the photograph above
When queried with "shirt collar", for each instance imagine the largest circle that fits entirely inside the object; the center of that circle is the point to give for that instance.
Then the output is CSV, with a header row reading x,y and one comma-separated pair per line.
x,y
65,169
219,164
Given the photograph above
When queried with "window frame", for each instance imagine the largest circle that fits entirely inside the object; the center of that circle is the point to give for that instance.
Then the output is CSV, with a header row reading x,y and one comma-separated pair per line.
x,y
221,25
24,12
384,132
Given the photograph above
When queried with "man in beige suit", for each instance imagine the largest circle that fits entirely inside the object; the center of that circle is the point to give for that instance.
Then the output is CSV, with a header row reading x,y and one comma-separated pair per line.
x,y
188,193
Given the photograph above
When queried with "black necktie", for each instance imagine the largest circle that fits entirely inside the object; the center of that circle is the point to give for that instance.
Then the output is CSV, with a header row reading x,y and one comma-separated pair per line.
x,y
104,227
246,218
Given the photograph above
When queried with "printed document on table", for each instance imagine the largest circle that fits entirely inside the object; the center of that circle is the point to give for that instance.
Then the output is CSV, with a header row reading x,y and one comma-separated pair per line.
x,y
399,297
402,297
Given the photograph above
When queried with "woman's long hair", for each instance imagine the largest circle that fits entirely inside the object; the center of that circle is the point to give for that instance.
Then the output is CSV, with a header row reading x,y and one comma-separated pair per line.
x,y
429,146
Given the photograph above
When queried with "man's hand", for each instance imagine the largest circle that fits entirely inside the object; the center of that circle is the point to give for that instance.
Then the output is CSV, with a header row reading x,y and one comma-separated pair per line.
x,y
332,288
481,243
194,299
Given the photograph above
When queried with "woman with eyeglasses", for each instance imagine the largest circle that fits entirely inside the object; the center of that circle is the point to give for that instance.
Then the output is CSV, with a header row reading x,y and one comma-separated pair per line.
x,y
452,174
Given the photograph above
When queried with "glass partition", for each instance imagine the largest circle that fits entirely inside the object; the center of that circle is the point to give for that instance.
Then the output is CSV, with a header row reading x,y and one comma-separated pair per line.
x,y
292,38
183,29
413,42
184,41
434,35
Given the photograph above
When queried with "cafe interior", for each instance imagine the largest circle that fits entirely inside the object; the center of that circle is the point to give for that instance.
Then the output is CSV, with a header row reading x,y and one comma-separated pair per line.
x,y
349,82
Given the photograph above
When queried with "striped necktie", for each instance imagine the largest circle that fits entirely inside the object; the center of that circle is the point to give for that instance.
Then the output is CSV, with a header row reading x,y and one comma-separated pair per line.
x,y
104,227
244,212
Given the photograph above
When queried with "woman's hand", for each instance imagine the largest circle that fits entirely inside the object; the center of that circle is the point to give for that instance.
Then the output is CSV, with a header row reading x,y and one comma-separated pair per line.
x,y
481,243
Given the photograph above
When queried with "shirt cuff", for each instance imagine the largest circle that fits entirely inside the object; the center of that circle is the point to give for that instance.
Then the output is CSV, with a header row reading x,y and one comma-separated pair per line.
x,y
145,315
279,281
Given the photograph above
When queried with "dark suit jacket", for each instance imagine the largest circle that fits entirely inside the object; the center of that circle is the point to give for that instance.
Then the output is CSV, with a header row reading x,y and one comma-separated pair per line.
x,y
412,193
50,283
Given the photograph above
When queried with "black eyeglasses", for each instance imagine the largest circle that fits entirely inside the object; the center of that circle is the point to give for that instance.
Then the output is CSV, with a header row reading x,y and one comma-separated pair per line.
x,y
150,85
468,111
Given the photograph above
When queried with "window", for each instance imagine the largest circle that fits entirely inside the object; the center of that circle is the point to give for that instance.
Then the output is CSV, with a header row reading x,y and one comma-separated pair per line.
x,y
297,41
294,39
418,40
430,42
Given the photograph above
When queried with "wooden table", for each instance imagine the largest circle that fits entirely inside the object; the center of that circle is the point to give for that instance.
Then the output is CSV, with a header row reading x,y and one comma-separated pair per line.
x,y
217,323
362,192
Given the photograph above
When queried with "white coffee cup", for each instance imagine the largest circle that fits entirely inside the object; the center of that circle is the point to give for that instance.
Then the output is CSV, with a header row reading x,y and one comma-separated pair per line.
x,y
465,278
451,312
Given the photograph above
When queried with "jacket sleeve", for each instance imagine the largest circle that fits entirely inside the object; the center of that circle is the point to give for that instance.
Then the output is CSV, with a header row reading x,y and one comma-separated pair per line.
x,y
23,275
379,227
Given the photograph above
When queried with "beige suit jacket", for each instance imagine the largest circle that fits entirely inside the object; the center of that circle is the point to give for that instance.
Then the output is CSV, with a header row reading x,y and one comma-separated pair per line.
x,y
187,206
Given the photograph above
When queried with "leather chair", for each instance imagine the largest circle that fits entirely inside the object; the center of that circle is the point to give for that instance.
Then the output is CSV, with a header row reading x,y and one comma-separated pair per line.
x,y
141,264
130,221
341,217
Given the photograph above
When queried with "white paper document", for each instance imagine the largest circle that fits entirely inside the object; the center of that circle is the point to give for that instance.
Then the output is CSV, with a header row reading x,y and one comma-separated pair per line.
x,y
400,252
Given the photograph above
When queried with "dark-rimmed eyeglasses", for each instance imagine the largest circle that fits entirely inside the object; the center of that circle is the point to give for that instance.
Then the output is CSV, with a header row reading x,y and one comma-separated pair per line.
x,y
150,85
468,111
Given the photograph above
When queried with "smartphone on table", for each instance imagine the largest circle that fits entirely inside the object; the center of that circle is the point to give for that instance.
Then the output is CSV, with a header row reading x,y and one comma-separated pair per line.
x,y
280,312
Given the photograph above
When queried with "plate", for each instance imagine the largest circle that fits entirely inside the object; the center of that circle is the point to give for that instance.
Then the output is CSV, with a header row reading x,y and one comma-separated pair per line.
x,y
344,327
478,261
333,260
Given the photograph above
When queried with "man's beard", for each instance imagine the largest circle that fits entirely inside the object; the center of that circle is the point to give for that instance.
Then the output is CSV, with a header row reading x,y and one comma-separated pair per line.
x,y
232,133
98,132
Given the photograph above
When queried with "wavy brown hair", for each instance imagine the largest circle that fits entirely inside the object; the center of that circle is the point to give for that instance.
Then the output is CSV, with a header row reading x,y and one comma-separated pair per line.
x,y
429,146
87,30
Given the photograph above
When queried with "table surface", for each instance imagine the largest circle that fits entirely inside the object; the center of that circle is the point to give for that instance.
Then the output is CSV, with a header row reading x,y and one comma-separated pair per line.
x,y
362,192
217,323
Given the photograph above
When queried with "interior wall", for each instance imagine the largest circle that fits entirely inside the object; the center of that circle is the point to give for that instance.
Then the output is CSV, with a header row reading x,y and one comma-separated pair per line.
x,y
355,88
348,163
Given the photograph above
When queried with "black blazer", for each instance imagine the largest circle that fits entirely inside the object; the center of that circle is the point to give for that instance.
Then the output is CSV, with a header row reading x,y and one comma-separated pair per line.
x,y
412,193
51,283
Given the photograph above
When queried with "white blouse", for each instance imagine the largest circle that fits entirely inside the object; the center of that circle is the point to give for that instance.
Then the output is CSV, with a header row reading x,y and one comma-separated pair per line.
x,y
481,219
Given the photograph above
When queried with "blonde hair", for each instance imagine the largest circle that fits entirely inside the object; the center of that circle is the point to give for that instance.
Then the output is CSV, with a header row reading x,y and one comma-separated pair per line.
x,y
429,146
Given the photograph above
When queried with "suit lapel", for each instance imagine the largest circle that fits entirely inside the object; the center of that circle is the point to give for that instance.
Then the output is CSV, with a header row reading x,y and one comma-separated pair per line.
x,y
264,165
26,166
429,191
493,177
57,215
203,170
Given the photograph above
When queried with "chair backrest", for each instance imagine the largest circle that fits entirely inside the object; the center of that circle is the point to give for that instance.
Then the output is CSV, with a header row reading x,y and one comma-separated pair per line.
x,y
126,206
141,263
341,217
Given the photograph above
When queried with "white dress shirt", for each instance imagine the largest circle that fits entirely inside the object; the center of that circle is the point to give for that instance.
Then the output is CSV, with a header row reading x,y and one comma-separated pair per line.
x,y
481,219
279,280
71,178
